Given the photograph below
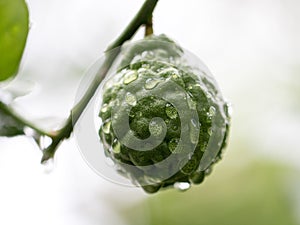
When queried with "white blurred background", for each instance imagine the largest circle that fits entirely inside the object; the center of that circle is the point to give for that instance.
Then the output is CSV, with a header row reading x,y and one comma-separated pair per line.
x,y
252,48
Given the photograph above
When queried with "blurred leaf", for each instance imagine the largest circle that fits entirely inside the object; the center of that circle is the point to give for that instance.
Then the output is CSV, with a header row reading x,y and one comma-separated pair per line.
x,y
14,25
9,125
254,194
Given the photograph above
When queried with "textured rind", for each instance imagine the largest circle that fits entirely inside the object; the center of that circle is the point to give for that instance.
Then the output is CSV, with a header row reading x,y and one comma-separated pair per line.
x,y
159,58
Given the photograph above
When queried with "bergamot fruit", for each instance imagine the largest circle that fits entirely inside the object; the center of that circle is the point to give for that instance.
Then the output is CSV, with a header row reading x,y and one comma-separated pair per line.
x,y
164,120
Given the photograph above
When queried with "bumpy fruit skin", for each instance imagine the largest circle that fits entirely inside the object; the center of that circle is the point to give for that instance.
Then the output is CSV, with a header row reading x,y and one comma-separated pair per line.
x,y
143,67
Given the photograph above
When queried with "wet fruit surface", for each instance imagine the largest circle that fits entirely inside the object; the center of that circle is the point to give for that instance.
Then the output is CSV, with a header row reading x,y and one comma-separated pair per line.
x,y
164,122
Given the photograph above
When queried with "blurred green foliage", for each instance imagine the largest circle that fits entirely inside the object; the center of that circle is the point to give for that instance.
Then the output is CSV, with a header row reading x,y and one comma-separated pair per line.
x,y
14,25
9,125
241,195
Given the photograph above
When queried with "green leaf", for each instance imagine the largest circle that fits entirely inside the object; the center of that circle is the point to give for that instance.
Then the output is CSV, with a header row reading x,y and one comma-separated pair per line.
x,y
14,25
9,125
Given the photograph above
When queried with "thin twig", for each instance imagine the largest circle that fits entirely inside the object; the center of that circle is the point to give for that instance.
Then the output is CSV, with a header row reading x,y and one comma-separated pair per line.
x,y
22,121
142,18
149,27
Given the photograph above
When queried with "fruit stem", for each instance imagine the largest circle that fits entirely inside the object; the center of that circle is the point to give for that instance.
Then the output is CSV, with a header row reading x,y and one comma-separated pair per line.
x,y
143,17
149,27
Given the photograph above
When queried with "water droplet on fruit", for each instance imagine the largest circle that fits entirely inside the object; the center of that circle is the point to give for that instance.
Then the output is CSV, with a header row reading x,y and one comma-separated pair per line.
x,y
209,131
182,186
208,171
174,76
130,99
104,108
212,111
130,76
173,144
228,109
151,83
106,127
117,147
171,111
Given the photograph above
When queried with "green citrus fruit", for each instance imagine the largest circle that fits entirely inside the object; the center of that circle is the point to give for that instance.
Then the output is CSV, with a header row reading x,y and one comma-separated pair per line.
x,y
164,121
